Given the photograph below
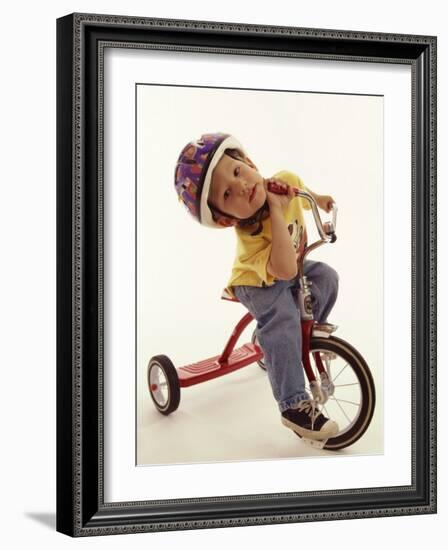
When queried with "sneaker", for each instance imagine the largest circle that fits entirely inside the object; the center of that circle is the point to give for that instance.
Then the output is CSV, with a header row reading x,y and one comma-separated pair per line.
x,y
308,421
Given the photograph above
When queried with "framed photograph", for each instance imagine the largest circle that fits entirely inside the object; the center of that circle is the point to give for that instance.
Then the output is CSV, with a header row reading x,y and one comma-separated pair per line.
x,y
246,274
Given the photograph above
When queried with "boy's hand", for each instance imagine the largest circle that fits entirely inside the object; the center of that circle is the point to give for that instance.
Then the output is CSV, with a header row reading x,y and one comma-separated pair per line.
x,y
274,199
325,202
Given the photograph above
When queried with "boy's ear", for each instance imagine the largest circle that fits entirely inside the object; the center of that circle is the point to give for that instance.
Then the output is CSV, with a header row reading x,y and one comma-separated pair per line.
x,y
226,222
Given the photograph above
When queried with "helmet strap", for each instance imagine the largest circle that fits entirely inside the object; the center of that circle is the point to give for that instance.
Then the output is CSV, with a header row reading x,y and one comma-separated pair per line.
x,y
256,218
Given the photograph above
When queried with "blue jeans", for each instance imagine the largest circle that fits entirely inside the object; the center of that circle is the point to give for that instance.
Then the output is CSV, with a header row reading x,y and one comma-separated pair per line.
x,y
278,329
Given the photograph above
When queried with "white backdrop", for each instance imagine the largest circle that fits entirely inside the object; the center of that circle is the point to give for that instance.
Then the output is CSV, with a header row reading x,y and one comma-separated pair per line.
x,y
28,274
335,143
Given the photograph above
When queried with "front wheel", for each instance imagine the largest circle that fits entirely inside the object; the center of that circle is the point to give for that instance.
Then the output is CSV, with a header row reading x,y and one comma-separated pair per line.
x,y
350,389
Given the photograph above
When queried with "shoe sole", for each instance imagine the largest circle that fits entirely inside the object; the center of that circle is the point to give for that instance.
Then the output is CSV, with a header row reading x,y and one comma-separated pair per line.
x,y
328,430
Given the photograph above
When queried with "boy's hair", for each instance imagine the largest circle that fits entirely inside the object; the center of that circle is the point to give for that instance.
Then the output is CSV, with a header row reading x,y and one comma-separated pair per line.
x,y
235,154
216,212
256,218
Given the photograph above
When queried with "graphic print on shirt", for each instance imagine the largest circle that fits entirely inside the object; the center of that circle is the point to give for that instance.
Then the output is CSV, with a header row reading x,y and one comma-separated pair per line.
x,y
298,237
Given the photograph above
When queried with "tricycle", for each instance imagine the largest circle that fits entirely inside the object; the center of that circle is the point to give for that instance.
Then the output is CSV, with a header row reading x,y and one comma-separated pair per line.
x,y
339,378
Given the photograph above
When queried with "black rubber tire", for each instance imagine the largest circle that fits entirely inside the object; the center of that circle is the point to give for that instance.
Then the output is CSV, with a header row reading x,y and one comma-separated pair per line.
x,y
164,363
367,386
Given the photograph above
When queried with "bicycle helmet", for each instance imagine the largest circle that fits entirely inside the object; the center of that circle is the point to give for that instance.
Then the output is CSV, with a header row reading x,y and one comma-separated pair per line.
x,y
193,173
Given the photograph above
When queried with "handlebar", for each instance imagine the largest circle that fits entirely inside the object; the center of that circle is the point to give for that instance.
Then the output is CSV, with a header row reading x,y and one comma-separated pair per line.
x,y
327,230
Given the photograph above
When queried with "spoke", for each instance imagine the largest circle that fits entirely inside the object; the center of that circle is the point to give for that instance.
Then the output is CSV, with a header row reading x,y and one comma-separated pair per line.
x,y
343,369
345,401
343,412
346,385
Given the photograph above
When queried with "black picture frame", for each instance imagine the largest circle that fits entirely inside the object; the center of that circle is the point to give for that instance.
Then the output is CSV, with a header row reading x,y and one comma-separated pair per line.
x,y
81,509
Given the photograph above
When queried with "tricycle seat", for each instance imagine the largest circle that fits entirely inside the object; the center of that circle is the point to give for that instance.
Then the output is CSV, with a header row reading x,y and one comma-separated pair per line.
x,y
226,295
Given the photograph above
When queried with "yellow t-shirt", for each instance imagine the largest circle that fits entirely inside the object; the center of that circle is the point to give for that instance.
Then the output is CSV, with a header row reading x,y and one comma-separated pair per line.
x,y
253,252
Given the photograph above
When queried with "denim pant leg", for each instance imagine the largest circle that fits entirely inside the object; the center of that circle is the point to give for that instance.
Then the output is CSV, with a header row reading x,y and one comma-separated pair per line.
x,y
279,334
324,288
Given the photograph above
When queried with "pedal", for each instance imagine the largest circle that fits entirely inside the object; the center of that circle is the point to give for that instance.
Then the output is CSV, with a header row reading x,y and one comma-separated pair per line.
x,y
316,444
328,356
324,329
318,394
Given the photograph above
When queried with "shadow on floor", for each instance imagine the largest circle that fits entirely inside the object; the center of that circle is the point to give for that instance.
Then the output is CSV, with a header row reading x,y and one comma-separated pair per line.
x,y
48,519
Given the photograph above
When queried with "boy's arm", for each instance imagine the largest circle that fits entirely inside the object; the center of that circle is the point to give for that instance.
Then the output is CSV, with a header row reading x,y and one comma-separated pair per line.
x,y
282,260
324,202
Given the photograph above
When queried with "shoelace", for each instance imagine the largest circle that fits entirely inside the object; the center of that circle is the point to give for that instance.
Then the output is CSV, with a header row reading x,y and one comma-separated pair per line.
x,y
309,406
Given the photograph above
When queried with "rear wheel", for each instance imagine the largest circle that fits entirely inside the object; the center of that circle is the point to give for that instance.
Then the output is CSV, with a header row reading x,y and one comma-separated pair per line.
x,y
163,384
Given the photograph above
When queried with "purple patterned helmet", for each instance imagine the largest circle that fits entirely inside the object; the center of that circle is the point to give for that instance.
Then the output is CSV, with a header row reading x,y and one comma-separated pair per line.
x,y
193,174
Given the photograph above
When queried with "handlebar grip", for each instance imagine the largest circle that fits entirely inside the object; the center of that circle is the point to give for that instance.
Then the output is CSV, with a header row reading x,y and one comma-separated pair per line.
x,y
328,228
274,187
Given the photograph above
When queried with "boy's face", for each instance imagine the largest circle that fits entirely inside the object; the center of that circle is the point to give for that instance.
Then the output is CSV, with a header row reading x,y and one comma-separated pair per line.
x,y
237,188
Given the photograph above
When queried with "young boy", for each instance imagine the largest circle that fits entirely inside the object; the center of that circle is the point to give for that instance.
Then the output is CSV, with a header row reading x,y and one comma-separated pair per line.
x,y
221,187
